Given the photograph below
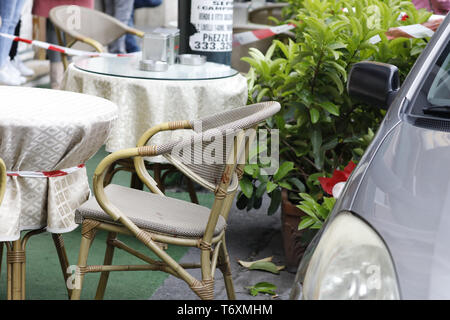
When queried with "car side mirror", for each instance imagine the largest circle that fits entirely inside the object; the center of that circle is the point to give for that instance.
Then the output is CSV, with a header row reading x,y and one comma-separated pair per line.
x,y
374,83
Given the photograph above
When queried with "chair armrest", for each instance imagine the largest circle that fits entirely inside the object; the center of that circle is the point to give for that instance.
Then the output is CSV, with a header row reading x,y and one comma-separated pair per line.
x,y
99,175
2,180
166,126
145,150
136,32
93,43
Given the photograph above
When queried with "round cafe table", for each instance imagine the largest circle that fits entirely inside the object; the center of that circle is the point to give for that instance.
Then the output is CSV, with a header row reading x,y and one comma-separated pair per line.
x,y
147,98
46,136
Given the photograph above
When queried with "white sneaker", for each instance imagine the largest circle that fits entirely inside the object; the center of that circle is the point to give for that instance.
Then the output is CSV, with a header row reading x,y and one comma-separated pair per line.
x,y
23,69
14,71
9,79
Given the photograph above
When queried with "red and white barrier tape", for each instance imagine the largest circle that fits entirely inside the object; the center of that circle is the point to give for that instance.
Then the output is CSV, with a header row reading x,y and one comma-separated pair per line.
x,y
44,174
68,51
247,37
412,31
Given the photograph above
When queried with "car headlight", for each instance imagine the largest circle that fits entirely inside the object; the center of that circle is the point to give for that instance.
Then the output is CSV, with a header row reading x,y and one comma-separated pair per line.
x,y
351,261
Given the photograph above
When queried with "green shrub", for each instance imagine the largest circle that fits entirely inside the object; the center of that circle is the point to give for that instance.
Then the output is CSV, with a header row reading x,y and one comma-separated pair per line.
x,y
321,128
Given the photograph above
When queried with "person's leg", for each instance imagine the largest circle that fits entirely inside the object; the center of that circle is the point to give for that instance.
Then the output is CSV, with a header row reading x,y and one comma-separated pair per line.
x,y
6,13
51,37
8,74
15,18
56,65
130,39
146,3
15,44
122,12
15,59
108,6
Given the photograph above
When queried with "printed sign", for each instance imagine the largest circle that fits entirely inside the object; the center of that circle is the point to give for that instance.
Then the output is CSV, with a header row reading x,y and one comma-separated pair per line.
x,y
213,21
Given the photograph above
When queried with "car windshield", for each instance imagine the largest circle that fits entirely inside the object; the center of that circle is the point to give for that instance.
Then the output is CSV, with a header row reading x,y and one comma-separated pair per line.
x,y
439,91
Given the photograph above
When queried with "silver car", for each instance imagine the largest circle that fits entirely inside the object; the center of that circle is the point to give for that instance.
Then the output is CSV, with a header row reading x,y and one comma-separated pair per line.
x,y
388,236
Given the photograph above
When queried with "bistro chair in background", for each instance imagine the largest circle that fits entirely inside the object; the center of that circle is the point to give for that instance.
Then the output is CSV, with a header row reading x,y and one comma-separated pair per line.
x,y
94,30
155,219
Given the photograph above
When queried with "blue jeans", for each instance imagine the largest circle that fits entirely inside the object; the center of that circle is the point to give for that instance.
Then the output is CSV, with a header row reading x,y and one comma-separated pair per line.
x,y
122,10
10,12
130,40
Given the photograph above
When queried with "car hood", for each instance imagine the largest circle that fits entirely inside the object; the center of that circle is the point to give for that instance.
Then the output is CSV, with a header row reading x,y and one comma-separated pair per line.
x,y
405,196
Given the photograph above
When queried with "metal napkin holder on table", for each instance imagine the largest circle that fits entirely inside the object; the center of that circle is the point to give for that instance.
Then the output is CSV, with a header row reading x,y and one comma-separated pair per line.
x,y
160,50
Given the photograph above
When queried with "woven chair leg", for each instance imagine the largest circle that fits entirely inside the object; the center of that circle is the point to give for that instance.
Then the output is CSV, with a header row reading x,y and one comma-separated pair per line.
x,y
16,271
225,267
62,255
191,190
136,182
204,289
157,176
82,260
107,261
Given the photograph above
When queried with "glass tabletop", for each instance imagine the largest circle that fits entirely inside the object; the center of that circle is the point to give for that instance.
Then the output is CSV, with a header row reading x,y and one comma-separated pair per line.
x,y
128,67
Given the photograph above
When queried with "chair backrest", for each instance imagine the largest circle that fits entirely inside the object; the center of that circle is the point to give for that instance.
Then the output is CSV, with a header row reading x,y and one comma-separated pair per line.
x,y
205,154
80,22
2,180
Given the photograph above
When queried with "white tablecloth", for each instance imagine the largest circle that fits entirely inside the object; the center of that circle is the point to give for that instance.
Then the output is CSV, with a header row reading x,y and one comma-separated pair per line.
x,y
47,130
144,103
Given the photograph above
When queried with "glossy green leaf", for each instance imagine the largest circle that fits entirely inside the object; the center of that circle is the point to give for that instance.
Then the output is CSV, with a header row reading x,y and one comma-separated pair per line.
x,y
262,287
314,114
283,170
246,187
274,202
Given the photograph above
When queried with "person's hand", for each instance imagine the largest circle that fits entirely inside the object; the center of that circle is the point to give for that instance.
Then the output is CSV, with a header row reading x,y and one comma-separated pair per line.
x,y
433,24
393,33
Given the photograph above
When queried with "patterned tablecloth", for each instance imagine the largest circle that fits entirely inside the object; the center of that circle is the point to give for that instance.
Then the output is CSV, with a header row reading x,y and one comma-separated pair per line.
x,y
44,133
144,103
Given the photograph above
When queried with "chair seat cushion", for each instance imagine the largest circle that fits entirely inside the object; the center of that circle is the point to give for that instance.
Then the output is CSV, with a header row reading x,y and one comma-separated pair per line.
x,y
152,212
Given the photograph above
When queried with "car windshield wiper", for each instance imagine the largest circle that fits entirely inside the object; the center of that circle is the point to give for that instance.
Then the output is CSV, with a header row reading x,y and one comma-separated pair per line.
x,y
437,110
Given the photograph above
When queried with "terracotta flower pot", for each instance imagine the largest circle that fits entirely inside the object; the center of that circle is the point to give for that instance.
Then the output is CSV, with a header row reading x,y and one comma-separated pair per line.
x,y
294,247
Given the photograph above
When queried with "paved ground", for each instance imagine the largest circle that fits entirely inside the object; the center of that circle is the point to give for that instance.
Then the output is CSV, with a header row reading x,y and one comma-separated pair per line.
x,y
250,236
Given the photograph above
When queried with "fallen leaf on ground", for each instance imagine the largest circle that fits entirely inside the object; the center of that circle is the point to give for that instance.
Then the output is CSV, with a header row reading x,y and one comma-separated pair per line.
x,y
263,287
265,264
247,264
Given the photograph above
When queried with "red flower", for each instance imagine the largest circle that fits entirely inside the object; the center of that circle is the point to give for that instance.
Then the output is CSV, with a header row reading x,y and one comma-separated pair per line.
x,y
338,176
405,17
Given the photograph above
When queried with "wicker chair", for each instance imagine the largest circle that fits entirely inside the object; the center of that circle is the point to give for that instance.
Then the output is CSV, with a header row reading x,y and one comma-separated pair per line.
x,y
155,219
94,31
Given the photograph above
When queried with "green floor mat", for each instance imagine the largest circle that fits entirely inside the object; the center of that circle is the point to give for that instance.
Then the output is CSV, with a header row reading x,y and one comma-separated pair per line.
x,y
44,277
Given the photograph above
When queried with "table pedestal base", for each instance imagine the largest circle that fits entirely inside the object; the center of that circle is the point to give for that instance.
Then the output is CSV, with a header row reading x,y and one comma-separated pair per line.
x,y
16,263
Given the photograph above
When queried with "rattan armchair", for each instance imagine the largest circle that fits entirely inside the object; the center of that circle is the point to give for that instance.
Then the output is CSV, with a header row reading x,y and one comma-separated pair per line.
x,y
155,219
87,29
